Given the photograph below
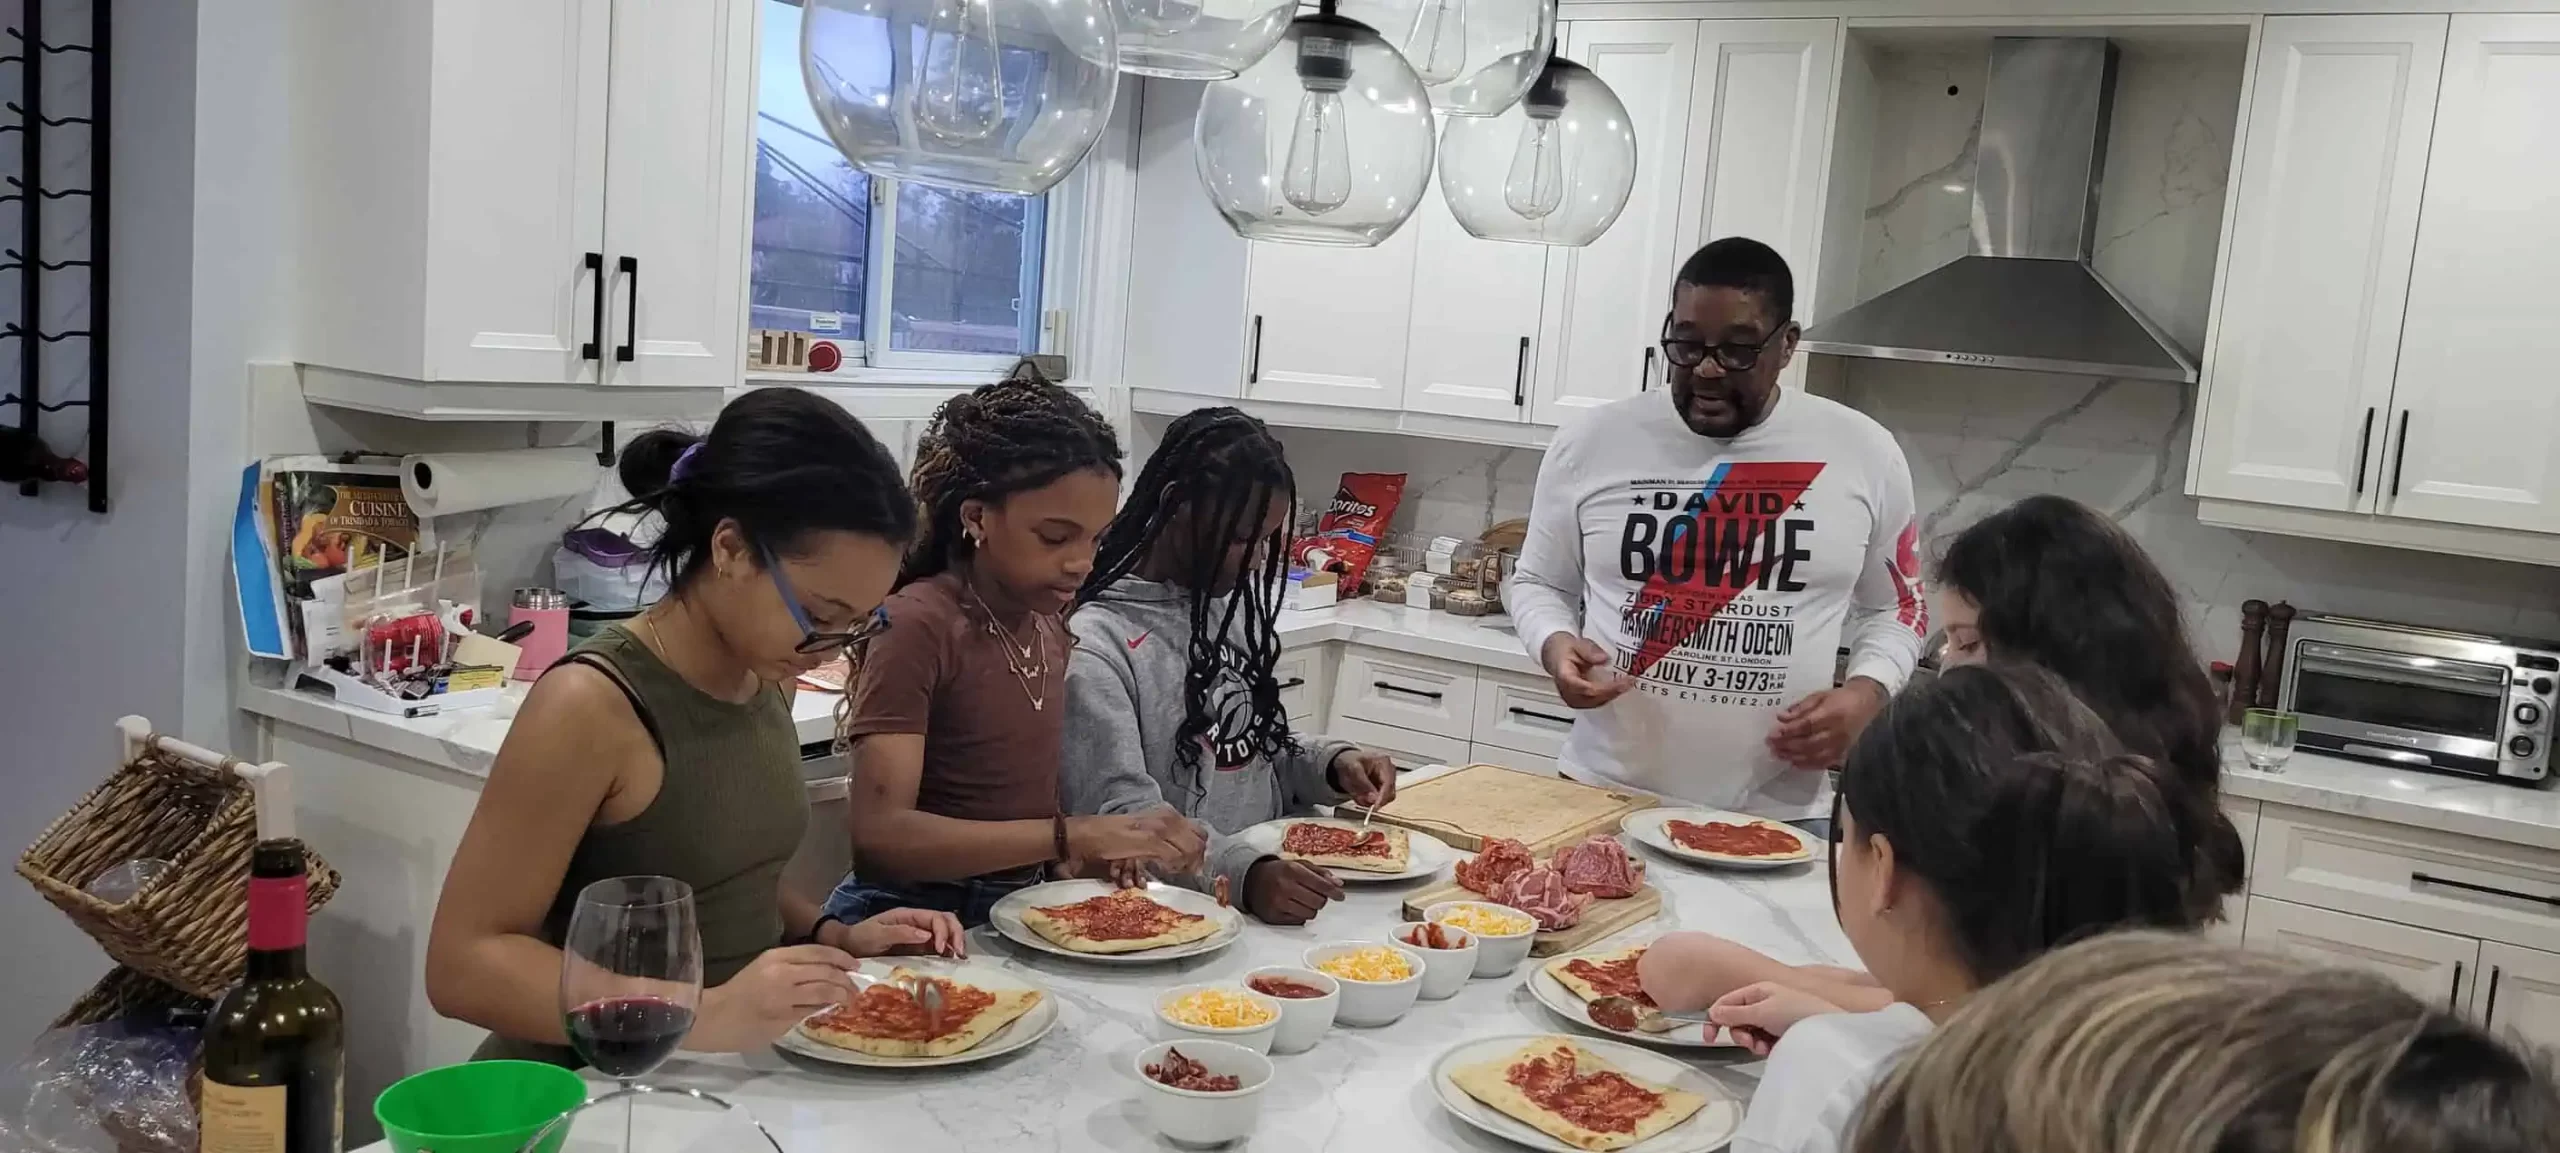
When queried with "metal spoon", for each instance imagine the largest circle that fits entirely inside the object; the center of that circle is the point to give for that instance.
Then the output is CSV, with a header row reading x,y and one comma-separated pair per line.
x,y
926,994
1648,1019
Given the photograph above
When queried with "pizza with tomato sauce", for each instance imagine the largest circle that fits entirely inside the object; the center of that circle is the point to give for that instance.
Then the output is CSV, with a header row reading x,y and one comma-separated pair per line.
x,y
1592,976
1123,921
1346,847
1575,1096
886,1021
1741,840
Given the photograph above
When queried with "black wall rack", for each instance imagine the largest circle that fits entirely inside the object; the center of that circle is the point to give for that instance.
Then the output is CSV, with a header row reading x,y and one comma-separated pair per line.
x,y
27,47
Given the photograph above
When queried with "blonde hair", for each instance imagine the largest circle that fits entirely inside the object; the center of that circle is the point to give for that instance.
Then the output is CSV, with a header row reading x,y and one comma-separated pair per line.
x,y
2148,1042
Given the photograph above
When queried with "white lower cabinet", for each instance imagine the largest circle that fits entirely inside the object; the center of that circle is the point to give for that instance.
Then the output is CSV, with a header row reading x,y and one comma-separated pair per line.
x,y
2519,993
2439,967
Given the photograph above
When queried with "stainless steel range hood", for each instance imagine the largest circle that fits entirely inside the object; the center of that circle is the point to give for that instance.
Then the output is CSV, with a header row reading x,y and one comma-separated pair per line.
x,y
2025,297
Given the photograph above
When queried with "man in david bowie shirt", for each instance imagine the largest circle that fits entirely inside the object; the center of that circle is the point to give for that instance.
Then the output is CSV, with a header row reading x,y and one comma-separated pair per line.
x,y
1697,553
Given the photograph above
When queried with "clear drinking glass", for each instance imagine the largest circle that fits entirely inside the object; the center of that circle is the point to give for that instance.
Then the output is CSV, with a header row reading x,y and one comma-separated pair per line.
x,y
2267,736
630,974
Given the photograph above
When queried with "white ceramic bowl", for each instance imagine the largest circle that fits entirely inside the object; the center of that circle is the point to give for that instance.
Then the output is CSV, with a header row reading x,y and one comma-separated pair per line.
x,y
1189,1117
1497,954
1444,971
1369,1003
1303,1020
1254,1037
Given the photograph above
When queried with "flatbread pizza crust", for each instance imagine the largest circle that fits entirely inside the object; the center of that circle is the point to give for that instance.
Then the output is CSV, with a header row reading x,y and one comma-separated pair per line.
x,y
1574,982
1010,1005
1399,853
1800,853
1491,1083
1070,936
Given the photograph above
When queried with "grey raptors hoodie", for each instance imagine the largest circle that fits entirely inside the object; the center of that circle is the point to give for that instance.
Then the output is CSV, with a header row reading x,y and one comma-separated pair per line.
x,y
1124,705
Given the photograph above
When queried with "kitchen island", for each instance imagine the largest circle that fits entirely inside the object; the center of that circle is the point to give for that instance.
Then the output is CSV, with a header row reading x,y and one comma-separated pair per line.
x,y
1358,1091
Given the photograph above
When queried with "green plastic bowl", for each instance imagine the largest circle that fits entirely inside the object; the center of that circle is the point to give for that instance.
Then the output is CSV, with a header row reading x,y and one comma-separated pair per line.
x,y
478,1107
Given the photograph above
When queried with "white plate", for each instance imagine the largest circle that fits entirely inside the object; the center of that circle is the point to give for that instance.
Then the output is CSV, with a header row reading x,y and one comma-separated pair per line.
x,y
1553,994
1016,1033
1707,1129
1006,916
1425,855
1647,827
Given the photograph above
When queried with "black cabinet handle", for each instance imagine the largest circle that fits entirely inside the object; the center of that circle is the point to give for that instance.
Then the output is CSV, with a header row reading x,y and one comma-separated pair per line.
x,y
1292,683
1520,377
593,349
1393,688
2489,1012
2364,442
2466,886
630,346
2400,454
1534,714
1253,358
1645,381
2453,996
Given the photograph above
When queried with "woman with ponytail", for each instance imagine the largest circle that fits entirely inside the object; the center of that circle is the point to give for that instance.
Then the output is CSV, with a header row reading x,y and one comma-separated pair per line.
x,y
956,719
1983,819
665,746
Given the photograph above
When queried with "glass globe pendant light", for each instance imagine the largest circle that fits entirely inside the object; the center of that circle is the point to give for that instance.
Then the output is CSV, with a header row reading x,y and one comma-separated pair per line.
x,y
1326,140
1476,56
1198,39
987,95
1555,169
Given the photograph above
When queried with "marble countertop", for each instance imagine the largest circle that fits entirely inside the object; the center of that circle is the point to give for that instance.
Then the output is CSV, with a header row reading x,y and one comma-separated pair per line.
x,y
466,741
1359,1091
2496,810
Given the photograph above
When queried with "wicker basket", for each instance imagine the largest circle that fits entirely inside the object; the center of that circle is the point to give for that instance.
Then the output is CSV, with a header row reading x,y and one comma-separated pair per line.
x,y
123,993
188,927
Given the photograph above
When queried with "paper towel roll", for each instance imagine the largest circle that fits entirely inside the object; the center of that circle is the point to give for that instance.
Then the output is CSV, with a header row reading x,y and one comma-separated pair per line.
x,y
443,483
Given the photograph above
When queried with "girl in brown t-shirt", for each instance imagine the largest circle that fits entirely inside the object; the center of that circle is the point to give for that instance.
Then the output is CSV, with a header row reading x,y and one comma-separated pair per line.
x,y
954,720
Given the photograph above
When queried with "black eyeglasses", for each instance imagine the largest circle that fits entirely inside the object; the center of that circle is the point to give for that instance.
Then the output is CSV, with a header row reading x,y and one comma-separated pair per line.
x,y
1736,357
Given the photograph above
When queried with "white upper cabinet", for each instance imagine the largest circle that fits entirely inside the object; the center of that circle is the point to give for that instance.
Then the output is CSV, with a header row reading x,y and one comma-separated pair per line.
x,y
1327,325
1475,319
2476,435
676,211
494,170
1606,301
1760,114
2308,338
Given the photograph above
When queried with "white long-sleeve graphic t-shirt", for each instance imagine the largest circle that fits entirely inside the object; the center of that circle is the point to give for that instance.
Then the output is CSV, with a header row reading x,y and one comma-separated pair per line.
x,y
1722,575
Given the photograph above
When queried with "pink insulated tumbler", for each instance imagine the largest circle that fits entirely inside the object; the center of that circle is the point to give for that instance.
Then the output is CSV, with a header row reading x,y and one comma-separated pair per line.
x,y
547,610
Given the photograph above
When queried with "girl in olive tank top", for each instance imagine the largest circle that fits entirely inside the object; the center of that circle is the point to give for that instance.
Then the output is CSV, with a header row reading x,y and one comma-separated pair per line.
x,y
666,746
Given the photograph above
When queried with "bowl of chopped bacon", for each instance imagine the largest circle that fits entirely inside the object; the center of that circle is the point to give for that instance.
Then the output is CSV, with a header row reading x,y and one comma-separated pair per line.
x,y
1201,1092
1448,957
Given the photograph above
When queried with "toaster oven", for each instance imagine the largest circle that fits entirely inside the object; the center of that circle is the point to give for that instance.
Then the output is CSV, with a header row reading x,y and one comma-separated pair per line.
x,y
2426,698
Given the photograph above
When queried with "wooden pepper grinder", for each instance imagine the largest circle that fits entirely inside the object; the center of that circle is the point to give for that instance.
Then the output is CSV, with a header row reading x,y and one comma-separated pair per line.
x,y
2271,670
2244,667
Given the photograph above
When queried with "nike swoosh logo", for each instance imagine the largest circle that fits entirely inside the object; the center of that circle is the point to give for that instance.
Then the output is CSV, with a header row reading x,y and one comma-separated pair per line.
x,y
1137,640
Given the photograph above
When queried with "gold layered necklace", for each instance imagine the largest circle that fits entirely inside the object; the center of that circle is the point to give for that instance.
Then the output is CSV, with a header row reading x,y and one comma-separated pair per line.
x,y
1029,660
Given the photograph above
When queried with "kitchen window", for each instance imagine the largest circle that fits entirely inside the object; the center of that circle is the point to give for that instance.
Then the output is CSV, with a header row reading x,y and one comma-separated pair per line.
x,y
899,275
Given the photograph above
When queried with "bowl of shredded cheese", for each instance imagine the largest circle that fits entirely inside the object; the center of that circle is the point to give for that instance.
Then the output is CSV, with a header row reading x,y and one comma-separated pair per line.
x,y
1503,934
1379,982
1224,1012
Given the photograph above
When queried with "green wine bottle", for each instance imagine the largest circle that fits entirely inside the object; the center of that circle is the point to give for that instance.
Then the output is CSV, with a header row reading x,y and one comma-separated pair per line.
x,y
274,1045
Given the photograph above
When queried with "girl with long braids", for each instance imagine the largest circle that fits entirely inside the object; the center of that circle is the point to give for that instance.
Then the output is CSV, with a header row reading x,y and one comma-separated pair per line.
x,y
1170,695
665,746
955,721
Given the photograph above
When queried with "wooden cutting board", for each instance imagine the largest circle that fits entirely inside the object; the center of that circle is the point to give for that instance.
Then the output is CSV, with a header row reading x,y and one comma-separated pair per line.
x,y
1602,919
1479,801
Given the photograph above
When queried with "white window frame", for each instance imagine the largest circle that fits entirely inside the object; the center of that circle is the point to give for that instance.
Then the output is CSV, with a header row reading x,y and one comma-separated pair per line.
x,y
1071,213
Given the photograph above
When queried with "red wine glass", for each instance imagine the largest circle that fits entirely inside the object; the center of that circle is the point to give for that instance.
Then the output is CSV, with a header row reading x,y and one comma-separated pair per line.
x,y
630,974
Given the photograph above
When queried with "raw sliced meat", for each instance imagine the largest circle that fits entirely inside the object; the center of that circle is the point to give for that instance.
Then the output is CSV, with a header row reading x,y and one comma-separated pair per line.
x,y
1500,860
1601,867
1542,894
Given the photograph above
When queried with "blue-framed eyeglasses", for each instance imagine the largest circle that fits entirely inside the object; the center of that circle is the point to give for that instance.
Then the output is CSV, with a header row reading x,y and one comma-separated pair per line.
x,y
811,639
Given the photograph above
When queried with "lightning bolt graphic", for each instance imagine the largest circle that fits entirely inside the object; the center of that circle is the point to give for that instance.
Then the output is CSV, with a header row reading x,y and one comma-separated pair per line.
x,y
1702,596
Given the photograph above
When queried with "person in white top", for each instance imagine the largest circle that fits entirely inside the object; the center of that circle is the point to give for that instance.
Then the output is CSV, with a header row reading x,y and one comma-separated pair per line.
x,y
1986,817
1697,553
